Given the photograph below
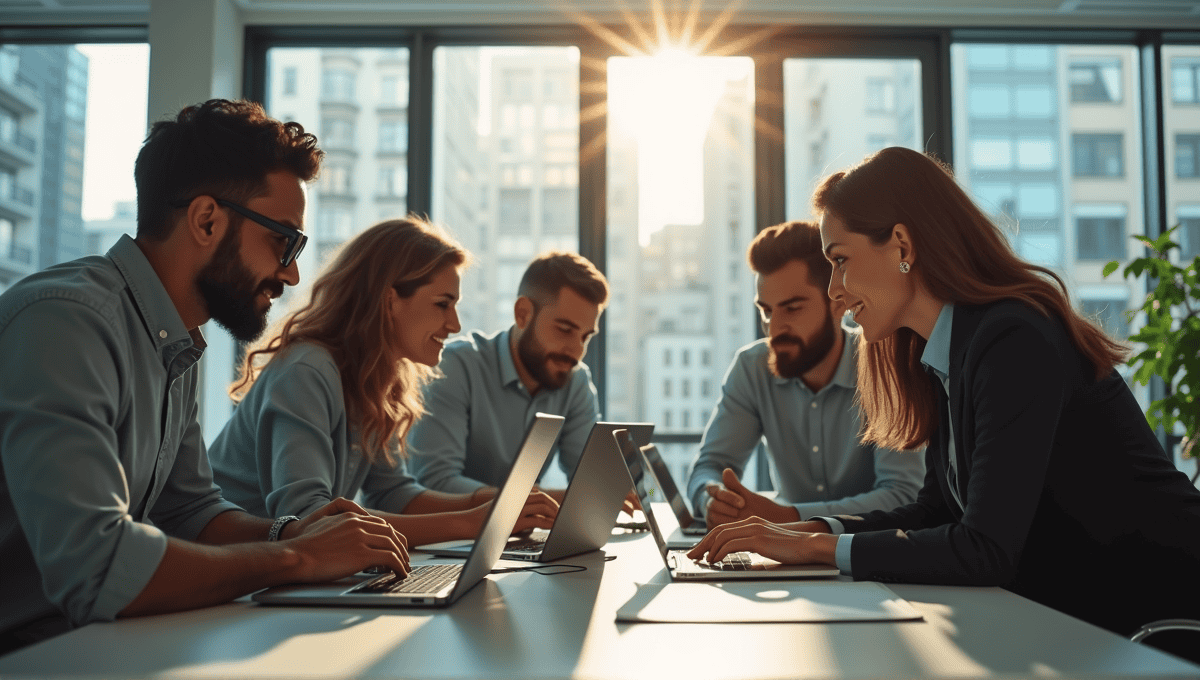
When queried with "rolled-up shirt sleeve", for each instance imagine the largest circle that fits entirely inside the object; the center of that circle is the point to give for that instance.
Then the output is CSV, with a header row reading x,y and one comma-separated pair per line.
x,y
297,462
59,400
730,437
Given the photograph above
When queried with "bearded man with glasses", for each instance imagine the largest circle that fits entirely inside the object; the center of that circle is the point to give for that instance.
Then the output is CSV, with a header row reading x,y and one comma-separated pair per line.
x,y
107,501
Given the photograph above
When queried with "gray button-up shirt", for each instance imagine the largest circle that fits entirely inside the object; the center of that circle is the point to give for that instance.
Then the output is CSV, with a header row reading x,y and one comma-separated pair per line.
x,y
101,456
821,468
290,447
477,415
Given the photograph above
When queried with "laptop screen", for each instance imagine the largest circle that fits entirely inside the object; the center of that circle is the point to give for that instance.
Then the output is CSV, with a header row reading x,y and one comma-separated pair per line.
x,y
635,462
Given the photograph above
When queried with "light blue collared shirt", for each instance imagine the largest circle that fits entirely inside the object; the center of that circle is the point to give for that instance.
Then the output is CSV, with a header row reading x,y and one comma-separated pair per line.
x,y
477,415
290,448
937,357
821,467
101,456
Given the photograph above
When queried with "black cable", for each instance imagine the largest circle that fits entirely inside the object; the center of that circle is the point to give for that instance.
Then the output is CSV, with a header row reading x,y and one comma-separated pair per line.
x,y
562,569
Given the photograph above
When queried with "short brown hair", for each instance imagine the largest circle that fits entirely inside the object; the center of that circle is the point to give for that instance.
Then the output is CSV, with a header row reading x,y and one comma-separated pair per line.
x,y
550,272
800,240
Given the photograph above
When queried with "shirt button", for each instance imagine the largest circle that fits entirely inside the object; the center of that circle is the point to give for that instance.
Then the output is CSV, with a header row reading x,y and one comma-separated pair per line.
x,y
816,448
820,487
162,334
814,404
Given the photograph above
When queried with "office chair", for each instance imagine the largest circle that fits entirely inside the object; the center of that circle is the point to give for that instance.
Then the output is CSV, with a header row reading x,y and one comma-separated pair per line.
x,y
1190,653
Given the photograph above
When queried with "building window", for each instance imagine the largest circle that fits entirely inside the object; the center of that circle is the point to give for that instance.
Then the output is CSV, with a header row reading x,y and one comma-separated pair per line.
x,y
337,133
516,211
1189,233
991,154
393,90
393,181
1098,155
685,389
1035,101
337,85
1100,232
687,419
666,390
1187,155
988,101
1095,80
560,210
1110,314
1185,80
705,387
393,136
881,95
289,80
1036,153
667,357
706,358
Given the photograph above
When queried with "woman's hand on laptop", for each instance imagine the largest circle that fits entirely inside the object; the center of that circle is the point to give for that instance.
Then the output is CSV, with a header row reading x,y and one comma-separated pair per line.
x,y
336,541
789,544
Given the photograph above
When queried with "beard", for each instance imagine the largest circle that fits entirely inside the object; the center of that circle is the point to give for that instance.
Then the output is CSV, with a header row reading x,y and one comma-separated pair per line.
x,y
537,360
806,356
231,292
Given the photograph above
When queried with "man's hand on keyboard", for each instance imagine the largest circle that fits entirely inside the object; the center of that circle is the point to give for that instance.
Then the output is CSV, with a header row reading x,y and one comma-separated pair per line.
x,y
790,544
341,538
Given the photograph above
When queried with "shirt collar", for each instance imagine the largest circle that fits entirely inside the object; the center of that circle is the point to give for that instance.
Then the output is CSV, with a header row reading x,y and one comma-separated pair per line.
x,y
937,349
508,370
163,324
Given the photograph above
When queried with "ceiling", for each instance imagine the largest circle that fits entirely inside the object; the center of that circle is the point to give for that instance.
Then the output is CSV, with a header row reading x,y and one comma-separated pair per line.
x,y
1184,14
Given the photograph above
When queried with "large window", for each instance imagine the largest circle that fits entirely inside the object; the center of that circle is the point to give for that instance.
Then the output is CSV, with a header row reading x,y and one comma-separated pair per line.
x,y
1098,154
505,160
680,216
1072,210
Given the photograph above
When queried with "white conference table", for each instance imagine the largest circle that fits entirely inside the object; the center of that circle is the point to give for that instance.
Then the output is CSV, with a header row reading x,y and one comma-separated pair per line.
x,y
526,625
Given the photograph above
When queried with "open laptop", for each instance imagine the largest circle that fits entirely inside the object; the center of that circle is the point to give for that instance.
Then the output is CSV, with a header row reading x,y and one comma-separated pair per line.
x,y
736,566
690,529
438,585
590,504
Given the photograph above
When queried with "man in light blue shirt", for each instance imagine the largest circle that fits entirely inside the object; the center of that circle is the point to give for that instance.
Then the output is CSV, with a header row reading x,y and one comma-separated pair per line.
x,y
106,494
477,414
796,388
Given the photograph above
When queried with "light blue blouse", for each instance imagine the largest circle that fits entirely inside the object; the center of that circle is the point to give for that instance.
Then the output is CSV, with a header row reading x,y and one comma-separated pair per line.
x,y
290,449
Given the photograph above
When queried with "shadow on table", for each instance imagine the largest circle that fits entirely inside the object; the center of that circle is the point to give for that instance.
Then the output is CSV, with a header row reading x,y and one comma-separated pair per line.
x,y
518,624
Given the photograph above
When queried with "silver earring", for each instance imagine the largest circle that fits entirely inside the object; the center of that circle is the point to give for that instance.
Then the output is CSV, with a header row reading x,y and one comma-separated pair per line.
x,y
904,267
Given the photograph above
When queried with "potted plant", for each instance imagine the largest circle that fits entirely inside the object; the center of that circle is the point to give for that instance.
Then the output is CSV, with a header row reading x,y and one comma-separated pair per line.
x,y
1171,337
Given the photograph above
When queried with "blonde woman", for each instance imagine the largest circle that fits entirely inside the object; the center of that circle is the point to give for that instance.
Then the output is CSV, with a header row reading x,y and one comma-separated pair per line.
x,y
327,397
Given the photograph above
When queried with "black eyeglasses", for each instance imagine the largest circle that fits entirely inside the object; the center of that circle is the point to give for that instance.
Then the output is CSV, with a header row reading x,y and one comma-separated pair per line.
x,y
296,239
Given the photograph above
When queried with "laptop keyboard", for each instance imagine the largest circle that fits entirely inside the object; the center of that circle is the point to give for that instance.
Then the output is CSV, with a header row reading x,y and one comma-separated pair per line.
x,y
525,545
426,579
738,561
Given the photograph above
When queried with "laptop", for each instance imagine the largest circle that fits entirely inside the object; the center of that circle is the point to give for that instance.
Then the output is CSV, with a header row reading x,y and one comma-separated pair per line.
x,y
590,504
736,566
690,529
439,585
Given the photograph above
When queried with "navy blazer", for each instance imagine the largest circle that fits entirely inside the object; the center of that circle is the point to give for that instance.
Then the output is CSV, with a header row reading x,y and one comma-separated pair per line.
x,y
1069,498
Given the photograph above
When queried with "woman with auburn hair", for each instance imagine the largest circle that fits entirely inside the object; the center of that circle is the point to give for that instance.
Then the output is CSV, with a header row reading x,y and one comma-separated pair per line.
x,y
326,398
1043,475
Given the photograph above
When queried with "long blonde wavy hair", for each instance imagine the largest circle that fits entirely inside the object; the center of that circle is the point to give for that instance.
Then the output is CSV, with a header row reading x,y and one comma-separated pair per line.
x,y
347,314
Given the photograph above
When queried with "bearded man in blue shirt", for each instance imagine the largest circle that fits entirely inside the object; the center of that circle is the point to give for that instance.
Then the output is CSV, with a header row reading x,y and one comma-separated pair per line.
x,y
796,388
107,502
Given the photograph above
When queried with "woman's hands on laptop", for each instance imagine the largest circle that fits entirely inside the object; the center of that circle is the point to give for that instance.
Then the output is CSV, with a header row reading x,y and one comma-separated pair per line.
x,y
794,543
341,538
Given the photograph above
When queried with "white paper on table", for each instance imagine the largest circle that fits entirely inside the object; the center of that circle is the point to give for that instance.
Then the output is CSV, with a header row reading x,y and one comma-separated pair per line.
x,y
766,601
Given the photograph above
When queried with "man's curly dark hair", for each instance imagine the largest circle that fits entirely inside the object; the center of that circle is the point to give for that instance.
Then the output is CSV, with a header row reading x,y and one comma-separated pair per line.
x,y
220,148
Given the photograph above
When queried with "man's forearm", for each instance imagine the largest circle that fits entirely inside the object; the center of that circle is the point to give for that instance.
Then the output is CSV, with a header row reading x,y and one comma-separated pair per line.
x,y
191,575
235,526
